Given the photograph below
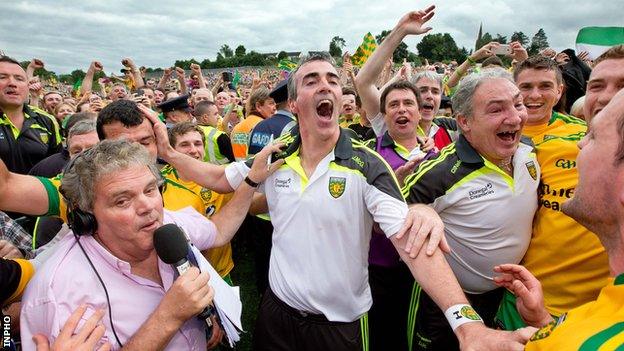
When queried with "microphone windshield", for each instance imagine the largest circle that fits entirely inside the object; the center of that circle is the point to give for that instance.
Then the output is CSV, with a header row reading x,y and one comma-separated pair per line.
x,y
170,243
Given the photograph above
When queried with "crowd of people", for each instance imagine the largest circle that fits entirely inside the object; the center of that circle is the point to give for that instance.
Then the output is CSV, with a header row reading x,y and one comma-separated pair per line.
x,y
453,206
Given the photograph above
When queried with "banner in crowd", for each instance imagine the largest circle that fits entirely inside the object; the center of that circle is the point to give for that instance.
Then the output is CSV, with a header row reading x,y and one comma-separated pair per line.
x,y
286,65
596,40
364,51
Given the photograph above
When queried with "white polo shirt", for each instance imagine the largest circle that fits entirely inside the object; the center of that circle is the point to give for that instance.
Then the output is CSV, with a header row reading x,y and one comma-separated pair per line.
x,y
322,226
487,214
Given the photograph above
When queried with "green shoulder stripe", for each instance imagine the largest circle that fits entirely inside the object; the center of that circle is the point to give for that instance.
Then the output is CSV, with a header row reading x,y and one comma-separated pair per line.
x,y
176,184
575,137
565,118
425,167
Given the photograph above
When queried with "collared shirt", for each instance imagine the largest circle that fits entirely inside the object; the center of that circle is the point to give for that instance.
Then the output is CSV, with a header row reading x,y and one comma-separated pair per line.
x,y
66,281
402,151
597,325
38,138
16,235
322,226
487,213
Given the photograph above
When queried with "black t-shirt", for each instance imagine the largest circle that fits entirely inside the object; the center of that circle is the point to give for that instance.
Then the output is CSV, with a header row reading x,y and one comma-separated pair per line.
x,y
38,139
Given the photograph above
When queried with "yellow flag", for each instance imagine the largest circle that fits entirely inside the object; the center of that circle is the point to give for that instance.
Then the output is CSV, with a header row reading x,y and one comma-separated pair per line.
x,y
364,51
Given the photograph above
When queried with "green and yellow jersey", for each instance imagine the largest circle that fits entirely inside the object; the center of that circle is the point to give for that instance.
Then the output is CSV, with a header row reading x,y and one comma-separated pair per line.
x,y
595,326
567,258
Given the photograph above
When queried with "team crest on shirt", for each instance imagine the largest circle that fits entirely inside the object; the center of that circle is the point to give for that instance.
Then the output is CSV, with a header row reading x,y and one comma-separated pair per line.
x,y
532,169
337,186
205,194
44,137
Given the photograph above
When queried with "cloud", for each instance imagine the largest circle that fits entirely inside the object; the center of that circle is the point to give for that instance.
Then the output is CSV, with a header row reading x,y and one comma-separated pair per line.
x,y
69,36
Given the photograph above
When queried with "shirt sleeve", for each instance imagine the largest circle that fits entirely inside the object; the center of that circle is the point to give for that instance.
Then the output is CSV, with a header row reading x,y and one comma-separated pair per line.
x,y
56,204
199,229
383,196
378,124
236,172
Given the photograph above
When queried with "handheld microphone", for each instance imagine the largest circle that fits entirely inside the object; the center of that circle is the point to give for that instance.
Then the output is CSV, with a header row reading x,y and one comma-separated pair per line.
x,y
173,248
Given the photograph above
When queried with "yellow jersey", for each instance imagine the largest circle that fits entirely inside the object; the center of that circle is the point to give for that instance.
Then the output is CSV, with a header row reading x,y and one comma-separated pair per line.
x,y
179,194
565,257
595,326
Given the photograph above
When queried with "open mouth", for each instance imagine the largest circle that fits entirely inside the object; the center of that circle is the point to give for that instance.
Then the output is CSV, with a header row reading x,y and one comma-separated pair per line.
x,y
150,225
508,136
533,106
402,120
325,109
426,107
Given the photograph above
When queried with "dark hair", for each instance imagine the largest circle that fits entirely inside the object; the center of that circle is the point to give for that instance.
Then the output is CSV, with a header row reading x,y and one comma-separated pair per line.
x,y
183,128
202,107
398,85
125,111
539,62
619,155
492,61
8,59
348,91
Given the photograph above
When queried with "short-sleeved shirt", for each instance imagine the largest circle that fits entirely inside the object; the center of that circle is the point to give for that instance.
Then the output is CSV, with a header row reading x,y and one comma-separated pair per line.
x,y
39,137
566,258
66,280
487,213
322,226
597,325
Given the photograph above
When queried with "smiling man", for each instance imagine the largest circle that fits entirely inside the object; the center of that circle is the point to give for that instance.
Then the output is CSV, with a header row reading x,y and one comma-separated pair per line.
x,y
484,187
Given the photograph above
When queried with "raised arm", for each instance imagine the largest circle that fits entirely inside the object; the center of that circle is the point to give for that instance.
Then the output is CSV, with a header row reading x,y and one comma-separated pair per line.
x,y
15,188
203,173
162,83
32,66
411,23
87,82
486,50
136,74
197,70
182,80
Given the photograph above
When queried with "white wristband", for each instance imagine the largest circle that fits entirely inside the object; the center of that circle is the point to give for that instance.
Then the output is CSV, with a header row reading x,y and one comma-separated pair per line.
x,y
461,314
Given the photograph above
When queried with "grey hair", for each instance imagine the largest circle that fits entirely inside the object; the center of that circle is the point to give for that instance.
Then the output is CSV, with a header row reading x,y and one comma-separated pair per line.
x,y
462,100
316,56
103,159
427,74
81,128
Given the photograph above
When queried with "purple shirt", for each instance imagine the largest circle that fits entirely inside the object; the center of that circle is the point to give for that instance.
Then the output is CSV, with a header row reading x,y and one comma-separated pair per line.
x,y
66,280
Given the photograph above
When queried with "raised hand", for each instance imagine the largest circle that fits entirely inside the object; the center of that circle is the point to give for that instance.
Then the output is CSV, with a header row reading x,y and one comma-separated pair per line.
x,y
528,291
413,22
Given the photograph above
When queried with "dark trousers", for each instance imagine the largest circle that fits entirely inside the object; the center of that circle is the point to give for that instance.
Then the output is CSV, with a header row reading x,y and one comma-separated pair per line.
x,y
280,327
432,329
392,289
262,236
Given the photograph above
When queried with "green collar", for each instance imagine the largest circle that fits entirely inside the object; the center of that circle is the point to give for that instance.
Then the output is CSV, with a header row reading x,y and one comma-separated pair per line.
x,y
619,280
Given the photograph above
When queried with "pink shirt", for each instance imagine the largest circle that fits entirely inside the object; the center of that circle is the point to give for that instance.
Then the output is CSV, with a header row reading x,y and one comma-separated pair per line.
x,y
66,280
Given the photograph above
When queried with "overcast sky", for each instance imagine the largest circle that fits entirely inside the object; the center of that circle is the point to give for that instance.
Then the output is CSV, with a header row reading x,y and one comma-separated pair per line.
x,y
70,34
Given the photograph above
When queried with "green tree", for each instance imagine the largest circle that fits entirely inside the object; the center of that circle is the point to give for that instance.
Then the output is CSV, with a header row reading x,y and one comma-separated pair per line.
x,y
520,37
336,45
440,47
282,55
500,39
485,38
226,51
399,53
539,42
77,74
240,51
